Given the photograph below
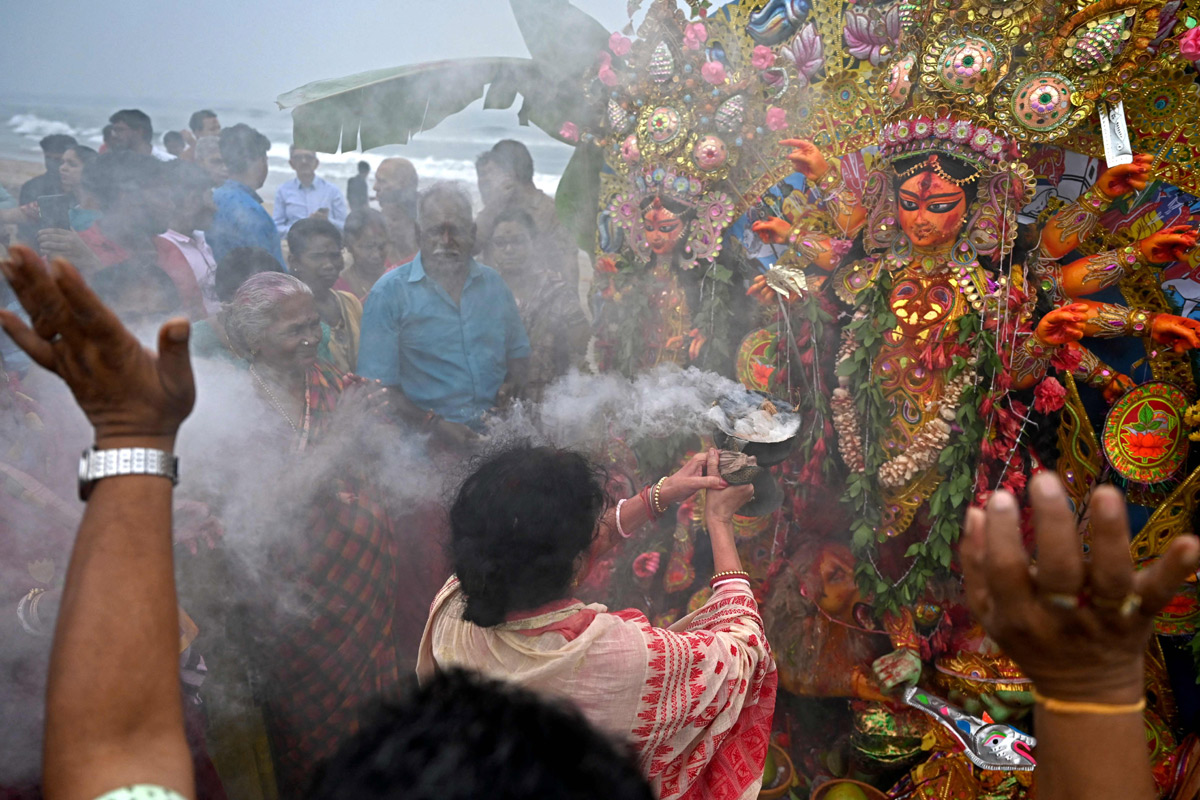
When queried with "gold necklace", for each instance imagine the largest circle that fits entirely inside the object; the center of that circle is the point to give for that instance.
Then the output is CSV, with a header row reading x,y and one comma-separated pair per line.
x,y
273,400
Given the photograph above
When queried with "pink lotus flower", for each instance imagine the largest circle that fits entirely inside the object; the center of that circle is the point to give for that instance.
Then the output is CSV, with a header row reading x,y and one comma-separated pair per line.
x,y
713,72
569,131
695,35
619,44
1048,396
872,35
1189,44
776,118
762,57
806,52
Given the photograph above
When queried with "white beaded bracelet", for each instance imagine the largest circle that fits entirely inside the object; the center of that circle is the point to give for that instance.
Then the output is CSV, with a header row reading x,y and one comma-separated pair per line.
x,y
621,530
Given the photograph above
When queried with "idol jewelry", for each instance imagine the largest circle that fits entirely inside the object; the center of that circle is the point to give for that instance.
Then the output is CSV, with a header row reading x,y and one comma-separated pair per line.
x,y
1073,707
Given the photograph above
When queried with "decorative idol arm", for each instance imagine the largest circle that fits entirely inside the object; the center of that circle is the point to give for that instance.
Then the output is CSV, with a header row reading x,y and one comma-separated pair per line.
x,y
1074,223
1057,337
1091,274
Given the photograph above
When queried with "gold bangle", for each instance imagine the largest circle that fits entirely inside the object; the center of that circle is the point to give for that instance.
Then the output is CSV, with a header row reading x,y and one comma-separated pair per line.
x,y
656,497
732,573
1072,707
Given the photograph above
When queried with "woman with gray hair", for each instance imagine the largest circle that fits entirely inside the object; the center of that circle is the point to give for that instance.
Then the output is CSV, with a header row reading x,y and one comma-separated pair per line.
x,y
327,665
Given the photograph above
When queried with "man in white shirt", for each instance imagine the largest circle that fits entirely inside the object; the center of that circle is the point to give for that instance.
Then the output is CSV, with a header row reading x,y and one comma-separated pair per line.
x,y
306,195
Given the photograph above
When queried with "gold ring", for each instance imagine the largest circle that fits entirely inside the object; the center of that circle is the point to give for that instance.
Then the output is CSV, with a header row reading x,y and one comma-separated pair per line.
x,y
1061,601
1127,606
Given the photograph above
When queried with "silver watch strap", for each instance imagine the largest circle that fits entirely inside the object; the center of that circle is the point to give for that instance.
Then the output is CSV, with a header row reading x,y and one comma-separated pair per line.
x,y
97,464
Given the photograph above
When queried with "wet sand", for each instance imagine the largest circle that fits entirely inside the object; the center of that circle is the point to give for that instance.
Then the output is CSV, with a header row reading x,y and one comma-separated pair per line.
x,y
13,173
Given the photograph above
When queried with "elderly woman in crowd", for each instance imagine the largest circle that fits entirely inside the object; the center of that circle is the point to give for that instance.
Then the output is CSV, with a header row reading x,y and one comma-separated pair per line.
x,y
334,550
696,700
315,257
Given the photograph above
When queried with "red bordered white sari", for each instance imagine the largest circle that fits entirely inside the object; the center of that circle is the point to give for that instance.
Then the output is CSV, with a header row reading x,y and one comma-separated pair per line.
x,y
696,699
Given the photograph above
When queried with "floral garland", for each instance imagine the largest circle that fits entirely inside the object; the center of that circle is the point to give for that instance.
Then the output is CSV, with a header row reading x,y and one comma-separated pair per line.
x,y
865,412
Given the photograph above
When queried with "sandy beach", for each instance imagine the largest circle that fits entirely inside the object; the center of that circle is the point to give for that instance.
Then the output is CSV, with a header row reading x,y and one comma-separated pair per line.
x,y
13,173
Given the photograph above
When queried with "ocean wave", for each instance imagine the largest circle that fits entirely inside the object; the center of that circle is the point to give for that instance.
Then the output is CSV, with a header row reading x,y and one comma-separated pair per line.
x,y
34,127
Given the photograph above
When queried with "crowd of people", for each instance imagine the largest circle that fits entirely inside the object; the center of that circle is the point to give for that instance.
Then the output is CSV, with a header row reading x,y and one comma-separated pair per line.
x,y
348,330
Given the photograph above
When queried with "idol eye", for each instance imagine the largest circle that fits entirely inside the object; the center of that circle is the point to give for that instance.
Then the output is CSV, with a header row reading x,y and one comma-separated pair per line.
x,y
942,208
907,205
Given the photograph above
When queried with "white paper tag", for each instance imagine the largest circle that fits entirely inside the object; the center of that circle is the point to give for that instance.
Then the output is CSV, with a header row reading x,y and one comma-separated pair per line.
x,y
1117,147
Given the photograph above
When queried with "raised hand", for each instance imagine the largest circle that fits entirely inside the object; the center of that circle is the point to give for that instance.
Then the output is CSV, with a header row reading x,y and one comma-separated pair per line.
x,y
1119,385
1063,325
1168,245
1077,628
125,390
1131,177
806,158
1178,333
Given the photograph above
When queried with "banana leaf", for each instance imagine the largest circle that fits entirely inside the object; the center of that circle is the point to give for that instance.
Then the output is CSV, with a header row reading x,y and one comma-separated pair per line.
x,y
387,106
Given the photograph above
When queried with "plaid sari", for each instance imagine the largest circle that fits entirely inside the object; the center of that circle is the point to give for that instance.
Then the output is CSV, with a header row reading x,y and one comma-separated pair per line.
x,y
339,656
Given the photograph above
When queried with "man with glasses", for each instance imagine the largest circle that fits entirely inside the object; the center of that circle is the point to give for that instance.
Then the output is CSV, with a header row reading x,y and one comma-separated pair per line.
x,y
306,195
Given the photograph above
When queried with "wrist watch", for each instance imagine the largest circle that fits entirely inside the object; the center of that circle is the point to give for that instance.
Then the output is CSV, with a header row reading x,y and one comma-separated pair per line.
x,y
96,464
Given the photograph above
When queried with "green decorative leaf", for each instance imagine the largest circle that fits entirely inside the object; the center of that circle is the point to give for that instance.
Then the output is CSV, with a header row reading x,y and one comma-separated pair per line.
x,y
1145,417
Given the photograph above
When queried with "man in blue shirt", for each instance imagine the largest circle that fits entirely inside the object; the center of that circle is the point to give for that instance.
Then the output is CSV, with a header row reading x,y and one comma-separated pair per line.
x,y
241,220
442,332
306,195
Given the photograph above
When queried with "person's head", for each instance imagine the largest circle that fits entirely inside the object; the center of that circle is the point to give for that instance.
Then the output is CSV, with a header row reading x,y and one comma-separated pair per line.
x,y
273,320
139,294
366,237
933,196
665,222
446,227
519,528
396,186
462,737
305,163
173,143
208,156
131,190
510,250
191,196
70,171
495,183
315,253
513,157
54,147
131,130
238,265
106,133
204,123
244,151
364,168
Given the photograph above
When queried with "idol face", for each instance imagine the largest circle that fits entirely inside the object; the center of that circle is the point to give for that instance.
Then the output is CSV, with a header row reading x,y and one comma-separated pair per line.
x,y
932,209
664,229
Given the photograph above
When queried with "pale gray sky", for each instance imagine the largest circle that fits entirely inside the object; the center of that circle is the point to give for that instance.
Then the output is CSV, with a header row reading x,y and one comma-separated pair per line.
x,y
252,49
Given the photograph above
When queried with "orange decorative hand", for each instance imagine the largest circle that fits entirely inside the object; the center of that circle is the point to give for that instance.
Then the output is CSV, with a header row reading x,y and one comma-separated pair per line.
x,y
1131,177
1119,385
772,230
1063,325
1178,333
698,340
806,158
1168,245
